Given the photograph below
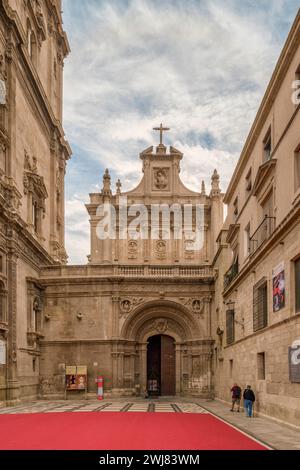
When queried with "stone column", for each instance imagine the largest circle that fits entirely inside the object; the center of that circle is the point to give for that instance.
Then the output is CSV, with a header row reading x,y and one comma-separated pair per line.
x,y
13,385
115,315
178,368
190,370
207,314
114,369
120,370
143,367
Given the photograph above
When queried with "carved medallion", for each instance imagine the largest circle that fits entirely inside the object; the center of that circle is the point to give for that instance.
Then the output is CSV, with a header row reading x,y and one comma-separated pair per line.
x,y
161,178
132,249
195,305
161,325
161,249
127,304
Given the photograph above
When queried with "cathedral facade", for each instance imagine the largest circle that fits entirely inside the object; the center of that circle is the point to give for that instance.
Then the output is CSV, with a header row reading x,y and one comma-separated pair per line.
x,y
155,310
141,309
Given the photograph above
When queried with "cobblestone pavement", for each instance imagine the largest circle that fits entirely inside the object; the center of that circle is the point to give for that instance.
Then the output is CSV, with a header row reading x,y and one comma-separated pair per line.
x,y
151,406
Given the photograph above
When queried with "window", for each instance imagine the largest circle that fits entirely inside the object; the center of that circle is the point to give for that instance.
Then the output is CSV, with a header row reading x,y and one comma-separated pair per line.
x,y
236,206
267,146
249,182
2,302
36,316
268,206
33,49
231,368
247,240
297,284
35,217
230,326
261,366
260,306
32,44
297,74
296,86
297,168
29,37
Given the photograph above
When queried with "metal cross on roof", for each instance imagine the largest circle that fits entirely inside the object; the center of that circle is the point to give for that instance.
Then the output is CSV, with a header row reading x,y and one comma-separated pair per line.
x,y
161,129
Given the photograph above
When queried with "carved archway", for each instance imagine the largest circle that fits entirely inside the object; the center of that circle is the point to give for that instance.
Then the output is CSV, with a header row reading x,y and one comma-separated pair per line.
x,y
162,317
144,322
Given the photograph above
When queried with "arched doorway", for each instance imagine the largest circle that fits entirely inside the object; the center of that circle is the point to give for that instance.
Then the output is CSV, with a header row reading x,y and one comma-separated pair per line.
x,y
161,365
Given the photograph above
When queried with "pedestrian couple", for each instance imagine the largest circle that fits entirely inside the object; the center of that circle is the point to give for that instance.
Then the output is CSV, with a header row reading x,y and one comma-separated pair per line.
x,y
248,396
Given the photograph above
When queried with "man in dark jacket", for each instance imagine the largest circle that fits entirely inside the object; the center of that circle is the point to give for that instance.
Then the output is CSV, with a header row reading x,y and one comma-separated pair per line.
x,y
236,397
249,399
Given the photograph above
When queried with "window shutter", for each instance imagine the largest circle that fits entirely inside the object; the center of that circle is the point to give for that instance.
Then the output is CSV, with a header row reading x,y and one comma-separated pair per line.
x,y
260,306
230,326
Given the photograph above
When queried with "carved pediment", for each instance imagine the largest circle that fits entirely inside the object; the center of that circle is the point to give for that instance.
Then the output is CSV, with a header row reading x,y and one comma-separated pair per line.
x,y
232,232
264,174
33,182
37,16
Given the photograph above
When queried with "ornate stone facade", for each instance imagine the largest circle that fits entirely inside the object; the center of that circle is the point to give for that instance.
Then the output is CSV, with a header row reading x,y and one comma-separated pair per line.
x,y
104,314
32,146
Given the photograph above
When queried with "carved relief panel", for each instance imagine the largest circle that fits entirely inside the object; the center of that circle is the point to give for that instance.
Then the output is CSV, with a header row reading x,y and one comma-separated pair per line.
x,y
160,179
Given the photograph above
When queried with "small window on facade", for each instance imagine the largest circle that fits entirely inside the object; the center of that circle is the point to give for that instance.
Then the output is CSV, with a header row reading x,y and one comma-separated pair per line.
x,y
236,206
268,206
249,181
231,368
267,145
297,85
261,366
36,315
2,302
35,217
297,284
230,326
297,168
33,48
247,240
260,306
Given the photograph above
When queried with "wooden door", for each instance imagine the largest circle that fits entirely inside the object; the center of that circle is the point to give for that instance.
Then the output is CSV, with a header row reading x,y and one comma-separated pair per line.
x,y
168,366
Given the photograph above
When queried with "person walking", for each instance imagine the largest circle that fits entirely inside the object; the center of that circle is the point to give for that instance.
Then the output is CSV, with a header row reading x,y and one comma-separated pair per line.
x,y
249,399
236,397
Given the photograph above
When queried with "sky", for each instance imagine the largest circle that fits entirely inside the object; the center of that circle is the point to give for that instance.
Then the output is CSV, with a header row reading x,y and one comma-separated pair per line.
x,y
200,67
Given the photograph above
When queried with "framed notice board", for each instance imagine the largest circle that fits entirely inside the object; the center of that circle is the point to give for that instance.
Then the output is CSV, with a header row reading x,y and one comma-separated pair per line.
x,y
76,379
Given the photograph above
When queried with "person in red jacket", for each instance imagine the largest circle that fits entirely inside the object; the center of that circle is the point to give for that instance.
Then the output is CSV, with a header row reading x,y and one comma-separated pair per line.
x,y
236,397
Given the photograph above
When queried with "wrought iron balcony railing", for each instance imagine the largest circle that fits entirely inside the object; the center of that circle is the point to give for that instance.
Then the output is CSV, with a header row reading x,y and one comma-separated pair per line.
x,y
262,233
231,274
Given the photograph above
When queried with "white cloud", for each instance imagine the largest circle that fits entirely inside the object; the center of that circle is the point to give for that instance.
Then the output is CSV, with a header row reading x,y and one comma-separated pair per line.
x,y
199,67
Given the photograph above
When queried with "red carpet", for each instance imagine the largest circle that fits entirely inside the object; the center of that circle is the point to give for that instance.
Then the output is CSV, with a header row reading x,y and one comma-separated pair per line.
x,y
120,431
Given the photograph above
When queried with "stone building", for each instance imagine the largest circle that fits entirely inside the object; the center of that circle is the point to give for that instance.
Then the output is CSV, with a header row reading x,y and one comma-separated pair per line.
x,y
257,292
141,309
33,154
149,307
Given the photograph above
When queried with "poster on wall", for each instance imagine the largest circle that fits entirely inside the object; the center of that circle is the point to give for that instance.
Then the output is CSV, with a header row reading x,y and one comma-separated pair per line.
x,y
81,378
294,362
278,287
76,377
71,378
